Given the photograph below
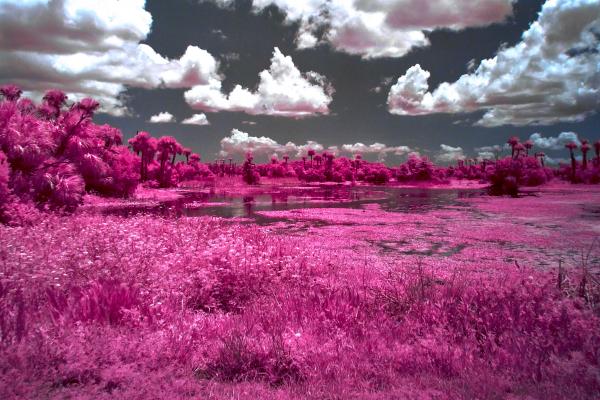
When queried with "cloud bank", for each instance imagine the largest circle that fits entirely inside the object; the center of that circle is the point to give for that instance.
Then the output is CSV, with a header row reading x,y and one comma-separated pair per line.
x,y
89,48
551,75
449,154
240,143
381,28
554,142
93,49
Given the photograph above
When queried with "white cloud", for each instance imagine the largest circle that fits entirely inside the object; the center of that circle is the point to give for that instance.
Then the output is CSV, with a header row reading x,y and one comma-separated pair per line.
x,y
162,118
551,75
556,161
380,149
239,143
486,155
196,119
282,91
88,48
67,26
490,152
554,142
381,28
449,154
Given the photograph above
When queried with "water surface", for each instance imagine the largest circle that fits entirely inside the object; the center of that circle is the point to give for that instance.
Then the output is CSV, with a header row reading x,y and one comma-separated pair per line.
x,y
207,202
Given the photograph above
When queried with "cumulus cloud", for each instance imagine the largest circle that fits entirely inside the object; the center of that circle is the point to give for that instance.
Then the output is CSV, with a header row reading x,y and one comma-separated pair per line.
x,y
554,142
196,119
379,149
551,75
282,91
90,48
67,26
556,161
381,28
449,154
489,152
162,118
240,143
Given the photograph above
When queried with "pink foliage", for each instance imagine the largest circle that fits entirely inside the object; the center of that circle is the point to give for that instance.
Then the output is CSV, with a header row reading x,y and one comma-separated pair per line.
x,y
54,155
97,306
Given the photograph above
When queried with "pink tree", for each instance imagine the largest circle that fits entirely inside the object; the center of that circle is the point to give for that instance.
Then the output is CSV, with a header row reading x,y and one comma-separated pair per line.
x,y
311,153
541,156
519,148
513,141
528,144
585,147
249,173
11,92
54,100
167,147
186,152
572,146
145,146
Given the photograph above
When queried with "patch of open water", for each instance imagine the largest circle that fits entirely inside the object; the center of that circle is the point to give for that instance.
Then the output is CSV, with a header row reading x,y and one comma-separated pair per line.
x,y
282,198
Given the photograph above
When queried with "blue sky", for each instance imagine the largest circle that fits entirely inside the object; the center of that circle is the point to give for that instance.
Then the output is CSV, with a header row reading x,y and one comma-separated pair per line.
x,y
380,77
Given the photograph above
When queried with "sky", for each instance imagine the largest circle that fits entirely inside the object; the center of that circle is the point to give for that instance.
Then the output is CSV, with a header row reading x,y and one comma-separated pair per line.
x,y
446,78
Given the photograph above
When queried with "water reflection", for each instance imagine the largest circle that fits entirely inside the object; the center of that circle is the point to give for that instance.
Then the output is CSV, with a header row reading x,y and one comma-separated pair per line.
x,y
282,198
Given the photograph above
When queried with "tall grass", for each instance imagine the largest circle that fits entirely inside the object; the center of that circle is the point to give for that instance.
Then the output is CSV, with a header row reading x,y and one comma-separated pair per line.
x,y
104,307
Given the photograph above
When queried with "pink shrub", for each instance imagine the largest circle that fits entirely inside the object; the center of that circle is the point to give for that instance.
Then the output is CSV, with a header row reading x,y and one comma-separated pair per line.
x,y
58,187
4,190
89,303
54,152
249,173
102,302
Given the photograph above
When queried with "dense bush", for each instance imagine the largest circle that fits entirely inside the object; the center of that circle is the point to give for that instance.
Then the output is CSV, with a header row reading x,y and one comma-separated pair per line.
x,y
55,152
52,153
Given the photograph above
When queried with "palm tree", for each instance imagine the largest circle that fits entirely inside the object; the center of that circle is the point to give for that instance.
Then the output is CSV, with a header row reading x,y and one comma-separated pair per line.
x,y
186,152
541,156
572,146
168,147
11,92
528,145
311,154
357,159
513,141
585,147
145,146
519,147
318,160
597,151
